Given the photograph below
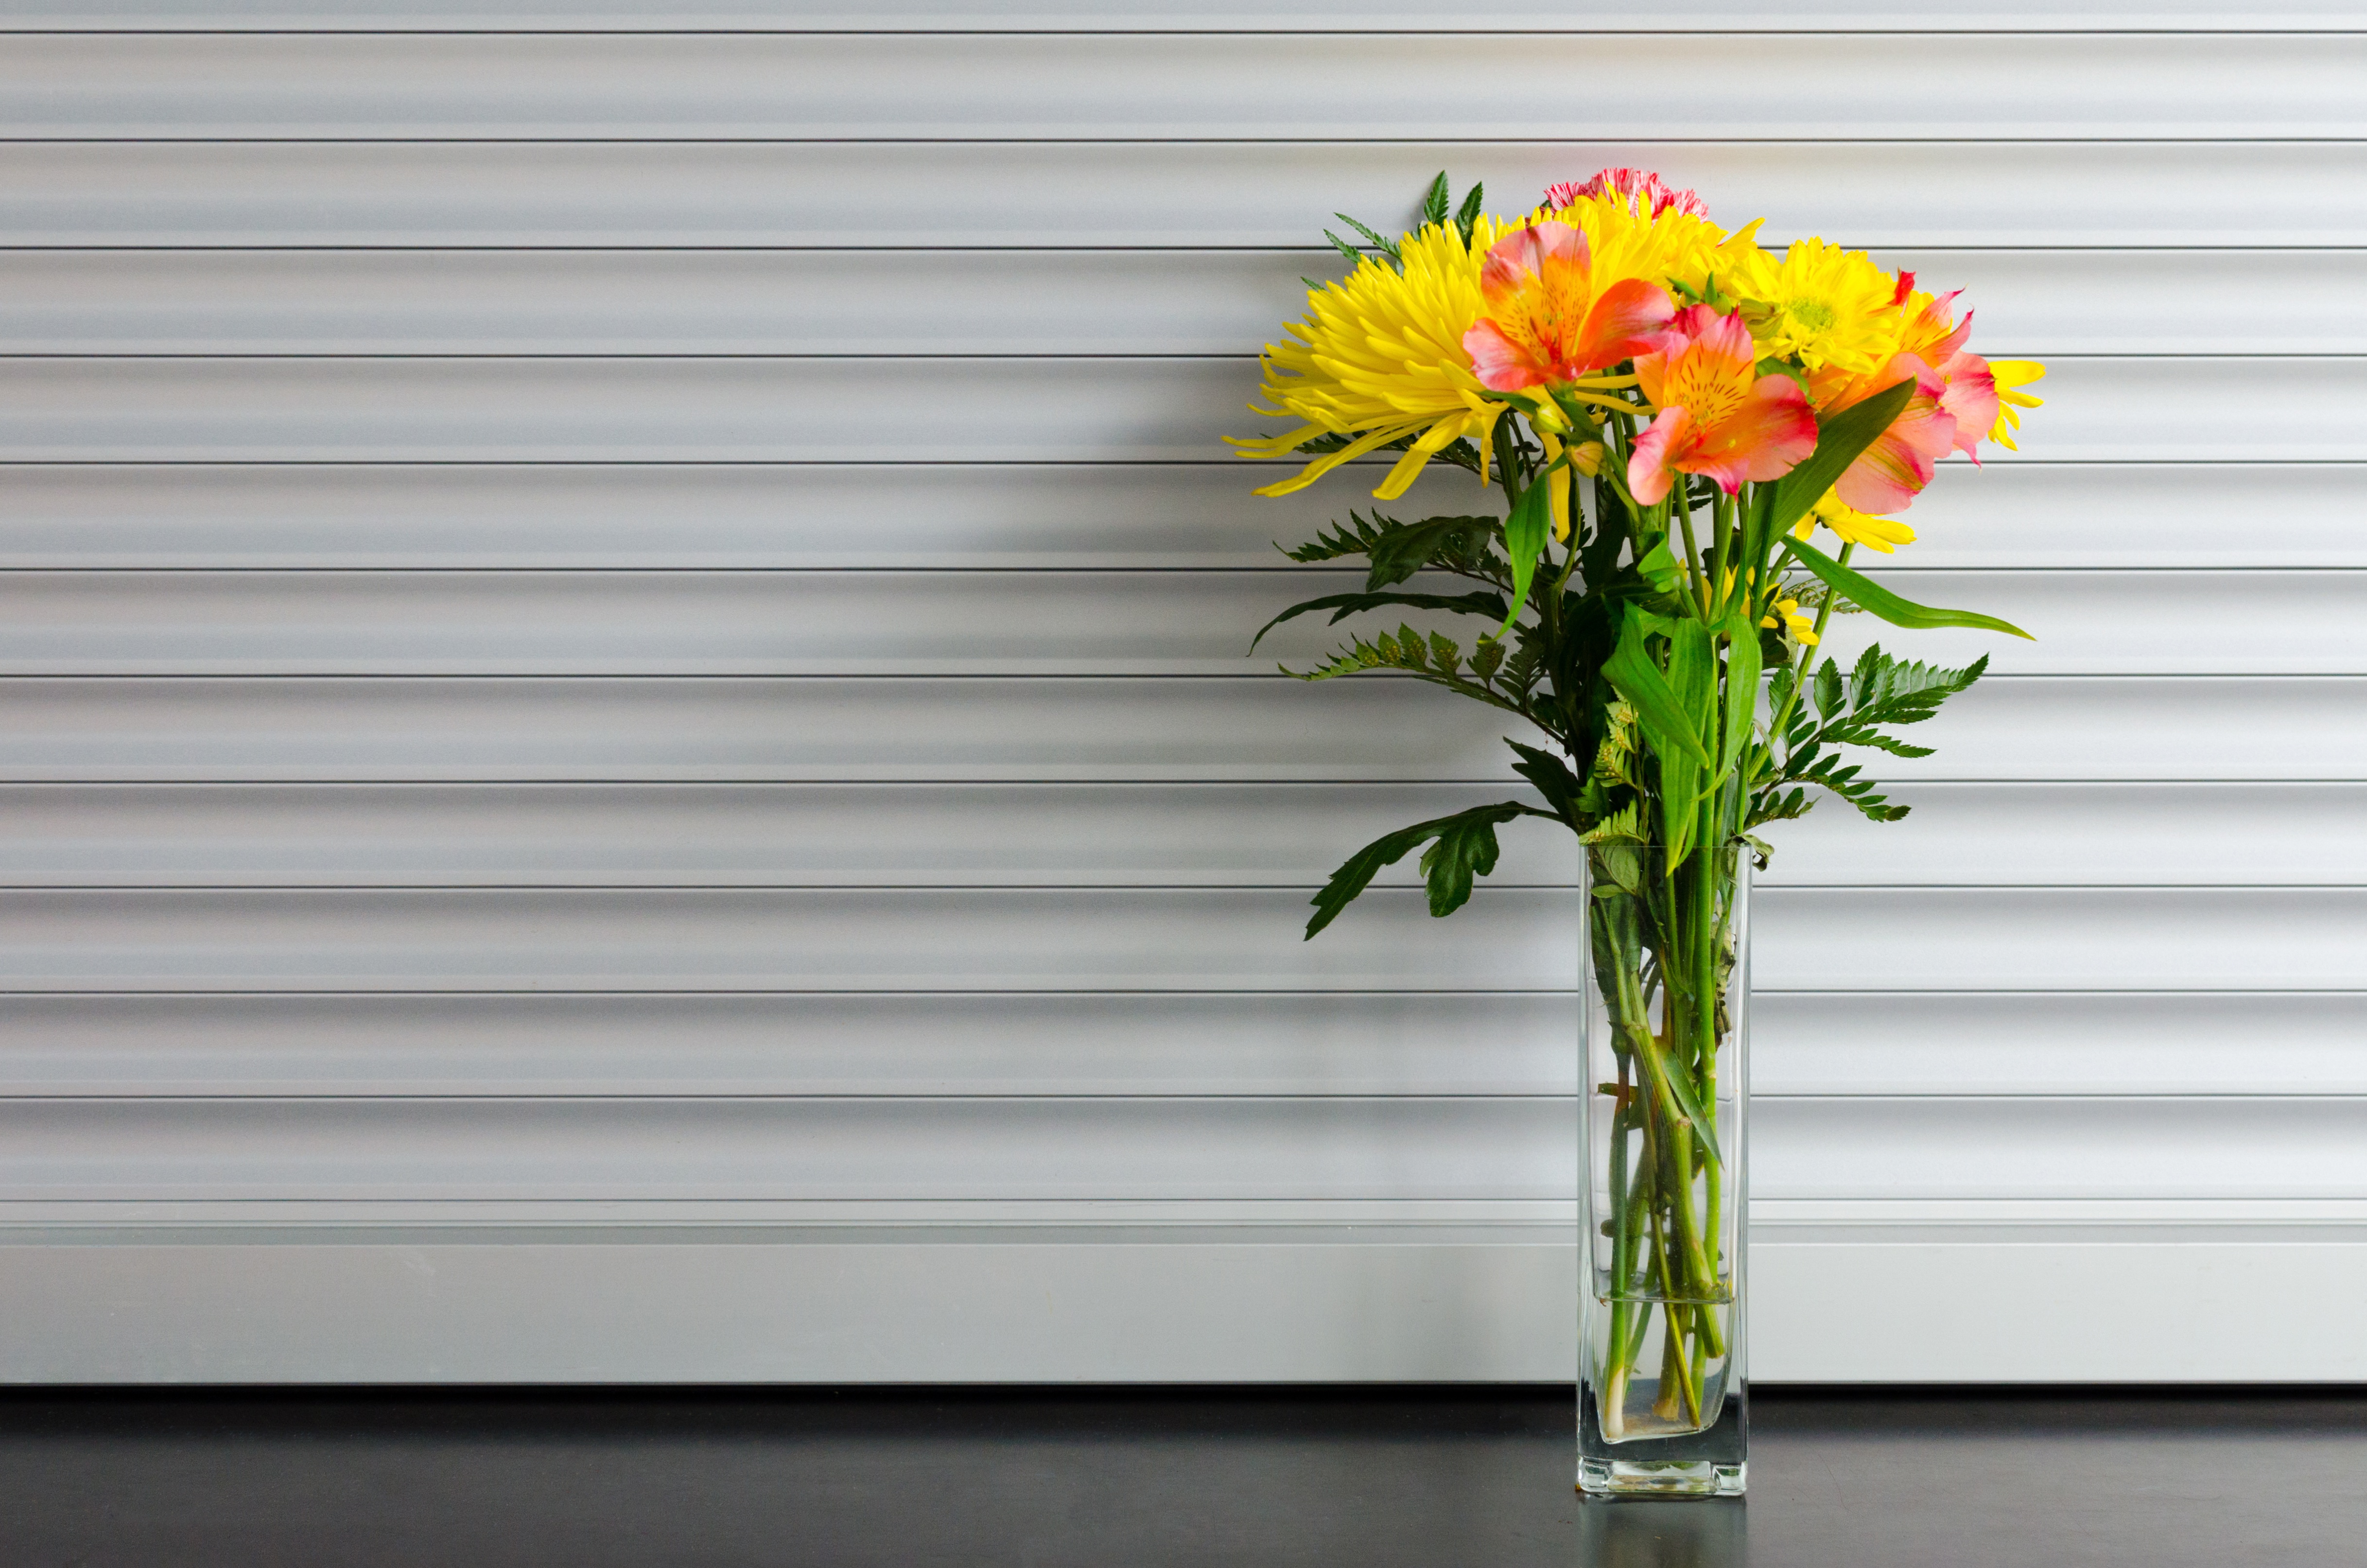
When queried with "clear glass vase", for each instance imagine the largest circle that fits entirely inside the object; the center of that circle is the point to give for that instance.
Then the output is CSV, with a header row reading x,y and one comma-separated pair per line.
x,y
1664,1182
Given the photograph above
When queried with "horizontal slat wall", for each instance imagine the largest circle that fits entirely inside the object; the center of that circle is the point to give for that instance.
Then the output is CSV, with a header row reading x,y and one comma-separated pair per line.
x,y
623,655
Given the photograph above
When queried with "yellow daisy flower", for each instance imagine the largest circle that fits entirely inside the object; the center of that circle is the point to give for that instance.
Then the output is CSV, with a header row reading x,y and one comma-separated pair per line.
x,y
1827,307
2011,376
1803,628
1854,527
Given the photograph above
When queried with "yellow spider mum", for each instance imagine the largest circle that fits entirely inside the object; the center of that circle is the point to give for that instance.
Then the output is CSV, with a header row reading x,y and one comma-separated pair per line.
x,y
1829,308
1380,357
2011,376
1854,527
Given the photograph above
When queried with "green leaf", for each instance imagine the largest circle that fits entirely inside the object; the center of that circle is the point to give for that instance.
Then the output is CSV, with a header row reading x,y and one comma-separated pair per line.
x,y
1839,441
1552,776
1525,532
1355,256
1345,605
1402,550
1466,848
1659,568
1741,691
1872,596
1662,718
1829,692
1692,680
1381,243
1433,202
1467,217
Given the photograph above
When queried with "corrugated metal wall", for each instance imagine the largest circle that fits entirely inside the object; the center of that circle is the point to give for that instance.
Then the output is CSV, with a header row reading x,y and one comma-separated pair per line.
x,y
626,751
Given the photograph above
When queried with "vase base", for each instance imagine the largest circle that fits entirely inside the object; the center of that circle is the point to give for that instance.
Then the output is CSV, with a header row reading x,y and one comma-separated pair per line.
x,y
1658,1478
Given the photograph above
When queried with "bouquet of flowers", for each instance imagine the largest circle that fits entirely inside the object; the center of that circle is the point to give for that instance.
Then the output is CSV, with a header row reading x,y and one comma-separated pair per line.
x,y
1668,414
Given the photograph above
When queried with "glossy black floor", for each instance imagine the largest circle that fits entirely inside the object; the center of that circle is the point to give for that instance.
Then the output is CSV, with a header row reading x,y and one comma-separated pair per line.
x,y
1422,1478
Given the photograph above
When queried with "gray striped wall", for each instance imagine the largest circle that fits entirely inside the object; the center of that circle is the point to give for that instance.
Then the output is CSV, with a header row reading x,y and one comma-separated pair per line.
x,y
625,751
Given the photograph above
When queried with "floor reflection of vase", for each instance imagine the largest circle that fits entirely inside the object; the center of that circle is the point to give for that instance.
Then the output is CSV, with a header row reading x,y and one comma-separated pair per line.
x,y
1664,1065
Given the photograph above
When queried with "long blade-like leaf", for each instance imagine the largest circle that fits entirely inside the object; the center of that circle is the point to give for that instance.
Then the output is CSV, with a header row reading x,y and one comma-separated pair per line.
x,y
1742,663
1839,441
1873,597
1524,538
1634,676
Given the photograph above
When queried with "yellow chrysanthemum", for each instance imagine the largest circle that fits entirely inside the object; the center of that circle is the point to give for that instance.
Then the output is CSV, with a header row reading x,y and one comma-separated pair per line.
x,y
2011,376
1827,307
1380,357
1854,527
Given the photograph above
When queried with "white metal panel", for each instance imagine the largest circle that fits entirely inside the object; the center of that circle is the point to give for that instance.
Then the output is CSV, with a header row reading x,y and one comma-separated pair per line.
x,y
2060,938
1003,624
1457,87
1079,728
2035,835
743,939
1944,1044
1143,938
1139,1149
1161,16
1904,193
1086,516
706,1043
133,729
952,302
722,835
710,1043
2140,1037
747,1304
921,834
659,409
550,1153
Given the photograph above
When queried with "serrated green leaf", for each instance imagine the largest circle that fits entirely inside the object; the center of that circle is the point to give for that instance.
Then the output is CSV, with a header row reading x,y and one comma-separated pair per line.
x,y
1353,255
1552,778
1401,549
1875,599
1345,605
1433,202
1467,217
1471,852
1829,692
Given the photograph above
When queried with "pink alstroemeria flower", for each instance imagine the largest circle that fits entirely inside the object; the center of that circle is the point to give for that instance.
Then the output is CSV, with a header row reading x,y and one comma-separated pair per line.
x,y
1627,184
1718,415
1891,473
1546,323
1967,390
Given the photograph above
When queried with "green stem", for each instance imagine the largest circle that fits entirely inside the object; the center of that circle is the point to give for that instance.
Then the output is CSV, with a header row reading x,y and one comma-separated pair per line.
x,y
1807,653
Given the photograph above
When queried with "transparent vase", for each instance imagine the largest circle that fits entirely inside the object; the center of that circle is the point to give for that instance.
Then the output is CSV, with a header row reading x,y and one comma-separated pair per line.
x,y
1664,1180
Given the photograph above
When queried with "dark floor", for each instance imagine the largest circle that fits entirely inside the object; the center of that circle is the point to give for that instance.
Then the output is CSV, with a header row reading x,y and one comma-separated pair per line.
x,y
1424,1479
